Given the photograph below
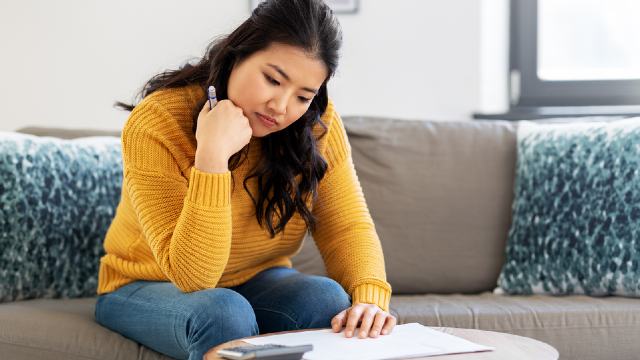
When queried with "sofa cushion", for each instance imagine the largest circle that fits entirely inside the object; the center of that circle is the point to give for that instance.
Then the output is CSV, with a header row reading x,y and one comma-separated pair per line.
x,y
440,196
578,326
57,199
62,329
576,212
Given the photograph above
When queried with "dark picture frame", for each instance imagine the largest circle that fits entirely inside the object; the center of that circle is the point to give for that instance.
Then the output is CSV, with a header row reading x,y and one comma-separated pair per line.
x,y
338,6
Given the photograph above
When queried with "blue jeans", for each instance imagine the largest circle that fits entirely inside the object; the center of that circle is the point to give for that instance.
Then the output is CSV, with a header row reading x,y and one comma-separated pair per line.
x,y
186,325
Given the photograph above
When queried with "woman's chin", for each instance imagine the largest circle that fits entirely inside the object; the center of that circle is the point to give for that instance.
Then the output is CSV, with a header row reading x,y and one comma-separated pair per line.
x,y
259,131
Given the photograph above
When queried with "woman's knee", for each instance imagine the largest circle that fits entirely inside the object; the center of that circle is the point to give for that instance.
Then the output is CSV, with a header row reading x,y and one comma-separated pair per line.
x,y
333,295
219,315
329,298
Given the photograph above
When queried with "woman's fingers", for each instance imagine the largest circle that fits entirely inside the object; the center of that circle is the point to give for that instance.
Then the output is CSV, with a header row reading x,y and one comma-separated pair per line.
x,y
205,108
372,321
367,320
378,323
389,324
339,320
352,320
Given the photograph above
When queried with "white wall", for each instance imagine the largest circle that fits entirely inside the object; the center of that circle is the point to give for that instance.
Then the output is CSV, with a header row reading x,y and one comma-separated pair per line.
x,y
64,63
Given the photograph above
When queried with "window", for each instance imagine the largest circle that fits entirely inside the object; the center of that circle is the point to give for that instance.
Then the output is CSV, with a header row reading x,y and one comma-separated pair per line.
x,y
588,40
573,57
575,52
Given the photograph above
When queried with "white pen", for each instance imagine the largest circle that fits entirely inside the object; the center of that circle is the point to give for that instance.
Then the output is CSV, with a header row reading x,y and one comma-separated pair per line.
x,y
213,100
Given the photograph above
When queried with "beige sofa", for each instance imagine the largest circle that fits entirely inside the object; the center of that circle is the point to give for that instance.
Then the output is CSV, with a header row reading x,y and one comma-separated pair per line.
x,y
440,195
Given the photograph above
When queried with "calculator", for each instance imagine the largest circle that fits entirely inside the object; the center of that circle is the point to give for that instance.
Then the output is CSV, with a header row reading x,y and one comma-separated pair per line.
x,y
266,352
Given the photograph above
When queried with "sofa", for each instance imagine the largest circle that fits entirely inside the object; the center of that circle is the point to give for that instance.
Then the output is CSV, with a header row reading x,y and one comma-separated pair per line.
x,y
440,194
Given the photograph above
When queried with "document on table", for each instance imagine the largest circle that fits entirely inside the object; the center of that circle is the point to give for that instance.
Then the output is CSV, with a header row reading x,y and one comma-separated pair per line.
x,y
405,341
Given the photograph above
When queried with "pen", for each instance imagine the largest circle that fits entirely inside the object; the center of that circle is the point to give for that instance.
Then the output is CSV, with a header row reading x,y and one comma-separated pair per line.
x,y
213,100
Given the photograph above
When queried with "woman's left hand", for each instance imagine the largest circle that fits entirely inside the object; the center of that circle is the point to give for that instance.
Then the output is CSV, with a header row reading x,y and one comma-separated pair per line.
x,y
372,320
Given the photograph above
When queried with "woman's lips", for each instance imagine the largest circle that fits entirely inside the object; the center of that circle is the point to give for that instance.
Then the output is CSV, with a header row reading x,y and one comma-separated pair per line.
x,y
266,120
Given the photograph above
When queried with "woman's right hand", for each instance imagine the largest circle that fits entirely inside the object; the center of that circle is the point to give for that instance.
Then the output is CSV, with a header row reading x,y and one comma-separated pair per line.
x,y
220,133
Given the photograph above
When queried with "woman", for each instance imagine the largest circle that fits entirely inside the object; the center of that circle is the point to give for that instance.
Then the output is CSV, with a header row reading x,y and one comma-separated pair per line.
x,y
192,260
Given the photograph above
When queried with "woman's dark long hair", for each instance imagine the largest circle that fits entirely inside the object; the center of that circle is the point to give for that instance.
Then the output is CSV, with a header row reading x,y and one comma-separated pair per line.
x,y
291,166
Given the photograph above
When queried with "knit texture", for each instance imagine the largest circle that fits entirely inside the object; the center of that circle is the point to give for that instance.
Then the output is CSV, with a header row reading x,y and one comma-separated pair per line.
x,y
576,210
57,199
177,223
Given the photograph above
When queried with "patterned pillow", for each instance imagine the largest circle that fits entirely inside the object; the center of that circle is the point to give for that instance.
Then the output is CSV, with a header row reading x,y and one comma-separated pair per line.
x,y
57,199
576,211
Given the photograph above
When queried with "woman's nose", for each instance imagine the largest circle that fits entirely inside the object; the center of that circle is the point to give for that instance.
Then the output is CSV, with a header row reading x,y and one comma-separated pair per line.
x,y
279,105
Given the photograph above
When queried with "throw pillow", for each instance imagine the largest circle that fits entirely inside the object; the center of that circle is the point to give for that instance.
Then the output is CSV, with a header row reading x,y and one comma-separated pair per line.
x,y
57,199
576,211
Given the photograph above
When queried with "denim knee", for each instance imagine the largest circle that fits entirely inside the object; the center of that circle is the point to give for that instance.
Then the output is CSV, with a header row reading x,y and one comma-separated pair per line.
x,y
216,316
329,298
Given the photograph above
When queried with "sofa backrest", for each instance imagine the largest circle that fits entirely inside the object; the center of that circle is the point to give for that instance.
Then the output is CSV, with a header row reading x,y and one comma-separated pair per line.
x,y
439,193
65,133
440,196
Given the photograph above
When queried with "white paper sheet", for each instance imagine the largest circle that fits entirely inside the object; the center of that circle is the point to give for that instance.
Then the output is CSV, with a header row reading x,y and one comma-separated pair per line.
x,y
405,341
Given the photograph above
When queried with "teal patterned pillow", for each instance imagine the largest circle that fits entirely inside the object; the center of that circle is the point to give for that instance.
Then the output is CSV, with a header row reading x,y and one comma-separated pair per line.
x,y
576,212
57,199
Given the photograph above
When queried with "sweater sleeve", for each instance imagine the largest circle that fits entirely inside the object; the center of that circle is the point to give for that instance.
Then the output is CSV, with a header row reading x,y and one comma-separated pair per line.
x,y
345,233
186,223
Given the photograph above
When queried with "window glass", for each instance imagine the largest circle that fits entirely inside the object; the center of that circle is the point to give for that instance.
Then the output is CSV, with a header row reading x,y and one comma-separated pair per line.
x,y
588,40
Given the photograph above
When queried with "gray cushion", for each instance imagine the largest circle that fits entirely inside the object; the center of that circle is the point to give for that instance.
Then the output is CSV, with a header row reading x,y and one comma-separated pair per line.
x,y
578,326
440,195
62,329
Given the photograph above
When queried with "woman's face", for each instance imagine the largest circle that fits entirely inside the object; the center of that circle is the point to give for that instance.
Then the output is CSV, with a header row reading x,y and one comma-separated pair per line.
x,y
278,82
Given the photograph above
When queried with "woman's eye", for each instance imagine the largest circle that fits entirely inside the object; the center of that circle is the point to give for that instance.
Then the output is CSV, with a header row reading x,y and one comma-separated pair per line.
x,y
271,80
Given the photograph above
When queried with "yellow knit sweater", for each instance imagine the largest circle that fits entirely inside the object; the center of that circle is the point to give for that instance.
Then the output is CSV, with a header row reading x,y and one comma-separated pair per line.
x,y
176,223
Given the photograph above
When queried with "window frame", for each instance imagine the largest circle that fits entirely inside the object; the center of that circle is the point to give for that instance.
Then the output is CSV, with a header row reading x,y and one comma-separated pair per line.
x,y
527,90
